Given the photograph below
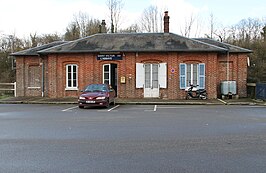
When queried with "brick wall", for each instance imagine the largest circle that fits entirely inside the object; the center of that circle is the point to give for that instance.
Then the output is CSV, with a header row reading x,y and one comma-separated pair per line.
x,y
237,71
24,74
90,70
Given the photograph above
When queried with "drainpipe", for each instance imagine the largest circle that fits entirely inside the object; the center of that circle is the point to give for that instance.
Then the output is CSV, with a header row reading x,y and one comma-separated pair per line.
x,y
228,66
43,78
227,73
42,63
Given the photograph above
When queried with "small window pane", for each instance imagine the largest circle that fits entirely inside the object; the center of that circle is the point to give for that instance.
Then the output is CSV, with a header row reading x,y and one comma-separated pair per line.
x,y
74,69
106,68
74,83
106,76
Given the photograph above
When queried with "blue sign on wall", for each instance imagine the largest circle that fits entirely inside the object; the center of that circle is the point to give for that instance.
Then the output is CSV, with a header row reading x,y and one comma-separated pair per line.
x,y
110,57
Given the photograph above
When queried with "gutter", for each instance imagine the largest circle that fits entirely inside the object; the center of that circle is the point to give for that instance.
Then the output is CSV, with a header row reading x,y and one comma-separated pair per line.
x,y
43,66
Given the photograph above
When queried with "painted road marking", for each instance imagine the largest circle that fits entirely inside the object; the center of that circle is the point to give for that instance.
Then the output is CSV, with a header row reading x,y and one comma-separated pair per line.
x,y
155,108
70,108
173,107
113,108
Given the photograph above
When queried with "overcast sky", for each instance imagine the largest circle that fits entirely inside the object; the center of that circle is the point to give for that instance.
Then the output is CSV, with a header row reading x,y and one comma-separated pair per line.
x,y
23,17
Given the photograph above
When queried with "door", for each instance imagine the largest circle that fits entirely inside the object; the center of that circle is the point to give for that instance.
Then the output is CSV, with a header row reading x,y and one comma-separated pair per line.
x,y
110,75
151,84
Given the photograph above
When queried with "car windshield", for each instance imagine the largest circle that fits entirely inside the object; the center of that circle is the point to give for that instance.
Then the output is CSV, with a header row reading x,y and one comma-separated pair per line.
x,y
96,88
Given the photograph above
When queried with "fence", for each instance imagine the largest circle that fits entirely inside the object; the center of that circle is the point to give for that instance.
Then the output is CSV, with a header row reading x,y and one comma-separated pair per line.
x,y
9,89
261,91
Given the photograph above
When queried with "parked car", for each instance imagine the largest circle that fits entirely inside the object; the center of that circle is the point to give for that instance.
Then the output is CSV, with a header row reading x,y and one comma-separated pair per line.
x,y
97,95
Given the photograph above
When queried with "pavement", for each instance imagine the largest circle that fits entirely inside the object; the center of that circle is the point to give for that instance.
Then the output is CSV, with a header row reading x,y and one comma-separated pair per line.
x,y
71,100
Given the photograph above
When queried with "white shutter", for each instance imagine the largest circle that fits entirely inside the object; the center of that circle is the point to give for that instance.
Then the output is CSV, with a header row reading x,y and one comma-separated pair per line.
x,y
201,76
140,75
182,75
163,75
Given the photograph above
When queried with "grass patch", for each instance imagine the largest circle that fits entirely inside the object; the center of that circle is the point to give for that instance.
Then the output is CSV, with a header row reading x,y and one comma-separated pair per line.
x,y
4,96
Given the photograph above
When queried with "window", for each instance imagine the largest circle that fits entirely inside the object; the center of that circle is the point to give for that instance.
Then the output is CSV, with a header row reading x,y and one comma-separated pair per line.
x,y
72,76
143,75
192,74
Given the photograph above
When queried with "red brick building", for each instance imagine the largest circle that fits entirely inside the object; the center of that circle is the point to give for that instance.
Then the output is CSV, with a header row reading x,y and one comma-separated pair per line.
x,y
137,65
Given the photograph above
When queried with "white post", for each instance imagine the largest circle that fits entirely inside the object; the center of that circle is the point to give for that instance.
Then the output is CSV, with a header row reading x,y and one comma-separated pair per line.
x,y
15,89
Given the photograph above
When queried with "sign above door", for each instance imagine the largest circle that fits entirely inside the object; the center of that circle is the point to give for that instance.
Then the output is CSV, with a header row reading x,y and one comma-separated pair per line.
x,y
110,57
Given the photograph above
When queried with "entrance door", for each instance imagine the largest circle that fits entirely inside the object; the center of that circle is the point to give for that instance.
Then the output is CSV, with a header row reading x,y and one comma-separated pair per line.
x,y
151,85
110,75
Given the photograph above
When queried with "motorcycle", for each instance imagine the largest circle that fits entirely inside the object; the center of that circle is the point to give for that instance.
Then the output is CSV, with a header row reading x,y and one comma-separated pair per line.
x,y
194,93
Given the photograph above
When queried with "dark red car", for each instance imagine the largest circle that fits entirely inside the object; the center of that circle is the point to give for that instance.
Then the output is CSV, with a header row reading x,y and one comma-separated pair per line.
x,y
97,95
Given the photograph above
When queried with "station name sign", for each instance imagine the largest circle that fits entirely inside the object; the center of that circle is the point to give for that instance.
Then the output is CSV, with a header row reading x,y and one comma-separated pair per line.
x,y
110,57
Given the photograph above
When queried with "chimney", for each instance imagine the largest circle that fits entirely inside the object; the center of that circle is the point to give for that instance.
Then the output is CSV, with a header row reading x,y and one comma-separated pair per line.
x,y
166,22
102,27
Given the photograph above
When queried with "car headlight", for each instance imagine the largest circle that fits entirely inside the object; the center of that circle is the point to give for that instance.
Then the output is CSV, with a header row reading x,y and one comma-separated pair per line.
x,y
100,98
82,98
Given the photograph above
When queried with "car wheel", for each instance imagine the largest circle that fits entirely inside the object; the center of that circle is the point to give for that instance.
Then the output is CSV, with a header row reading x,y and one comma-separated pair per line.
x,y
81,107
107,104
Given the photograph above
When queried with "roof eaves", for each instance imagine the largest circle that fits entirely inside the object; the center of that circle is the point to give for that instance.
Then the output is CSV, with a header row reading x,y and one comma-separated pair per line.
x,y
34,51
44,51
211,45
244,50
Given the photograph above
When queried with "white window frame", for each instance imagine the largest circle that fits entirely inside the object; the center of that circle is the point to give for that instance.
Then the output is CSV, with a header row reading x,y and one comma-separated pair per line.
x,y
109,73
72,87
200,75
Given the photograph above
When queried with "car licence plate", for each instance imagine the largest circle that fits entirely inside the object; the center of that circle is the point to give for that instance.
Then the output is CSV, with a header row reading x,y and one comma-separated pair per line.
x,y
90,101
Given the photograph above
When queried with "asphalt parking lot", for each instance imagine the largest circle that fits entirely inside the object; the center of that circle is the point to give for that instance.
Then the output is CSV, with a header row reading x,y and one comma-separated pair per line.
x,y
132,138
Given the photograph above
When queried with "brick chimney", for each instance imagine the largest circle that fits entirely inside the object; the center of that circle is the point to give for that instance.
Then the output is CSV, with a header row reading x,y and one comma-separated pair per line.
x,y
102,27
166,22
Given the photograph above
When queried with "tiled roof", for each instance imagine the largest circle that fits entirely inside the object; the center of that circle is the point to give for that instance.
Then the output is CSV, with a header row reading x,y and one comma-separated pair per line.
x,y
134,42
33,51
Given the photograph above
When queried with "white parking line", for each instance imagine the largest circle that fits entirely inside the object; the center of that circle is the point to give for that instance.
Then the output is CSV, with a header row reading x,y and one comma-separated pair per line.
x,y
155,108
113,108
69,109
173,107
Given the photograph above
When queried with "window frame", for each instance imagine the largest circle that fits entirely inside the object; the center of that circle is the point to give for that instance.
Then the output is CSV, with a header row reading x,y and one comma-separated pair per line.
x,y
107,72
72,87
200,72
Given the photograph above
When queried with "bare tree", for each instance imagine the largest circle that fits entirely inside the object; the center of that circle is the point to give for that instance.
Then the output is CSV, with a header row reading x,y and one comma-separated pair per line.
x,y
249,33
115,7
131,29
189,23
72,32
81,26
49,38
151,20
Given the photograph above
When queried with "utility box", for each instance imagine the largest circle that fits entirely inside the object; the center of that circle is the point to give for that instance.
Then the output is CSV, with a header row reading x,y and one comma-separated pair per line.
x,y
228,87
